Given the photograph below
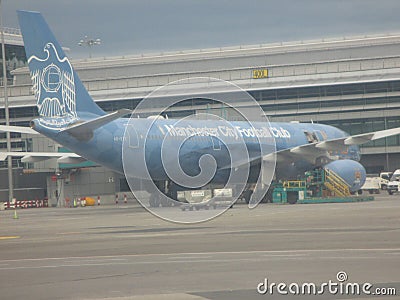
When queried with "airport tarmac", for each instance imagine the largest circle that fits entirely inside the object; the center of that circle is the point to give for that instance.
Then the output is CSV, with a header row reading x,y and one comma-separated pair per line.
x,y
124,252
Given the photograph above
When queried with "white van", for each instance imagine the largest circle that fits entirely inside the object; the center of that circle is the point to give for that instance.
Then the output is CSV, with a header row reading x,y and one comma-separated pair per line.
x,y
394,183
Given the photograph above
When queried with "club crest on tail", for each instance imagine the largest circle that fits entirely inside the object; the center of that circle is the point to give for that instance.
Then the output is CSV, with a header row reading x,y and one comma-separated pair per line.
x,y
54,87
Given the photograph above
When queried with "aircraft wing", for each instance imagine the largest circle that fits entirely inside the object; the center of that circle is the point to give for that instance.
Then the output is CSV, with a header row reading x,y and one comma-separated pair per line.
x,y
314,150
357,139
30,157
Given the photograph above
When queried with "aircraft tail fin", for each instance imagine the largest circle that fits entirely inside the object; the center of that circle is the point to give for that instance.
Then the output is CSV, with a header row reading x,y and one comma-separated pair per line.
x,y
61,96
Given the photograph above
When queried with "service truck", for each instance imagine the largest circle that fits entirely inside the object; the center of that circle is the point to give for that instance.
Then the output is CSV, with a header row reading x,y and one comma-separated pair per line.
x,y
394,183
197,199
373,183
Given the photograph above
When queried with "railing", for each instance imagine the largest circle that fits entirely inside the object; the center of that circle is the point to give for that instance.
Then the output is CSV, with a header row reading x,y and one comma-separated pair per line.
x,y
336,184
294,184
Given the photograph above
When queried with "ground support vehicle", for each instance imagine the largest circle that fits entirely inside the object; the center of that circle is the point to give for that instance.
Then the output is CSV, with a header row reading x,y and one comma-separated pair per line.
x,y
318,186
204,199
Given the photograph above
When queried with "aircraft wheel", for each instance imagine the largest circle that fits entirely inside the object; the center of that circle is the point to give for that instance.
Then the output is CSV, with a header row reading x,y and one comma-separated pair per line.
x,y
268,196
292,197
166,203
154,201
247,195
322,160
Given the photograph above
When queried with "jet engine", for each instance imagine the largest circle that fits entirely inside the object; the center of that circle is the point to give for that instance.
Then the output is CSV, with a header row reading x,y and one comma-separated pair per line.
x,y
352,172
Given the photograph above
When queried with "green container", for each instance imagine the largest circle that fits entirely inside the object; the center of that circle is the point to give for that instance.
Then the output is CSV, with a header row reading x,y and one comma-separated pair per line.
x,y
279,195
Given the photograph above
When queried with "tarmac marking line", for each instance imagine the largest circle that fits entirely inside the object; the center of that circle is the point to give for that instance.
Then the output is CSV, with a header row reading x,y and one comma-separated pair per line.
x,y
65,265
9,237
188,257
284,255
266,252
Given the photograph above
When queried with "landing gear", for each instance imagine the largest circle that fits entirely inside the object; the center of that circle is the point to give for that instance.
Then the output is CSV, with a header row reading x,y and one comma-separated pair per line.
x,y
166,202
267,198
292,197
247,195
322,160
154,201
161,199
157,200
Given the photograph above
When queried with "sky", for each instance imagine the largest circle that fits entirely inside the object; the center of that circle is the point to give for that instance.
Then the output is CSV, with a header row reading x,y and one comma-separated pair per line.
x,y
129,27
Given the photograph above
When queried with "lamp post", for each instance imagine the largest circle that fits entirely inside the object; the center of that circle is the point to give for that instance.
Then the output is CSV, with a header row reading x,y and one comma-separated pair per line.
x,y
7,114
89,42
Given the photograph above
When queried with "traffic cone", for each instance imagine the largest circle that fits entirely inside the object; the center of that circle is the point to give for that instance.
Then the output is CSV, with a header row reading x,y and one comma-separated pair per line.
x,y
15,214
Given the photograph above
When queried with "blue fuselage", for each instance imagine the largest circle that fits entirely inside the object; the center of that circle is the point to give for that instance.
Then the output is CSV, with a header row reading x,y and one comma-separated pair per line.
x,y
197,138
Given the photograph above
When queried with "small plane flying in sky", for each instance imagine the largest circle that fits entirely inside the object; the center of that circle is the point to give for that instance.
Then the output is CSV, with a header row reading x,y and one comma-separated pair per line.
x,y
69,116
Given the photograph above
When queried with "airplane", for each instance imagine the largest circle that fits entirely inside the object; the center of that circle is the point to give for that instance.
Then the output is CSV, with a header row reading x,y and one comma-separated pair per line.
x,y
69,116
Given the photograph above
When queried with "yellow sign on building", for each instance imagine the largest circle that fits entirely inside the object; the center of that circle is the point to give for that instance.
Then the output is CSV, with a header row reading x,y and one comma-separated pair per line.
x,y
260,73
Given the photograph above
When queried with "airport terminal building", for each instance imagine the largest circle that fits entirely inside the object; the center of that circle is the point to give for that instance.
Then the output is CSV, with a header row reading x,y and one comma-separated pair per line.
x,y
351,83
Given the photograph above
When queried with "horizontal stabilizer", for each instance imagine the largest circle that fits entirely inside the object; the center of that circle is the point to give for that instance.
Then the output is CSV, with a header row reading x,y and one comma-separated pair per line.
x,y
70,160
31,157
19,129
84,131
